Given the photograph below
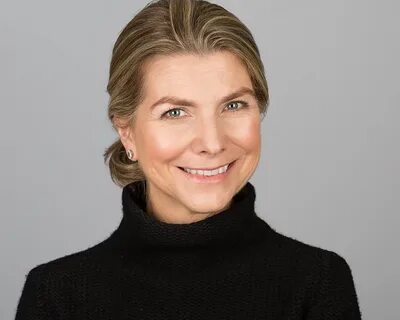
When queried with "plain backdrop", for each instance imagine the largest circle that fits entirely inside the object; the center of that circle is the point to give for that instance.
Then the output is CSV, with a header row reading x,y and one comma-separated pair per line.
x,y
329,170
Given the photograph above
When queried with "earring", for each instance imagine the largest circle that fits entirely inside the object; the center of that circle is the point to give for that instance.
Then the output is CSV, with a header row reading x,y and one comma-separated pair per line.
x,y
129,154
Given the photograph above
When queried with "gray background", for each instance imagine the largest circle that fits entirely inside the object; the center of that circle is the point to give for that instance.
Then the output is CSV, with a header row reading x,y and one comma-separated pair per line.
x,y
329,171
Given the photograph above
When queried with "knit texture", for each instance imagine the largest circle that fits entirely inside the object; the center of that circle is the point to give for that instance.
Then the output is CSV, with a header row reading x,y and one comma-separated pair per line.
x,y
231,265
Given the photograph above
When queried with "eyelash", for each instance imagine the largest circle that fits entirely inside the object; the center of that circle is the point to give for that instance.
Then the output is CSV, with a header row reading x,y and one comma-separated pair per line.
x,y
244,105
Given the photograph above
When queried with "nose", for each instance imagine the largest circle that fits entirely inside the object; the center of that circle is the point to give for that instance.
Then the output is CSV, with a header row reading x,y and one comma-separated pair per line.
x,y
209,136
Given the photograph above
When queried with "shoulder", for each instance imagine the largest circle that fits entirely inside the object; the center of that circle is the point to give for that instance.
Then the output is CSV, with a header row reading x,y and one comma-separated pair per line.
x,y
324,277
298,254
70,266
53,283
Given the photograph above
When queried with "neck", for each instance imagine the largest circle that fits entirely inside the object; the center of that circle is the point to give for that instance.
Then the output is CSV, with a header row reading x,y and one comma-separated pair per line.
x,y
236,224
176,212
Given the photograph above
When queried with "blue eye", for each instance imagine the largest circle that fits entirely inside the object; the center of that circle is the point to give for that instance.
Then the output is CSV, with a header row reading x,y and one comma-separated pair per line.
x,y
244,104
169,113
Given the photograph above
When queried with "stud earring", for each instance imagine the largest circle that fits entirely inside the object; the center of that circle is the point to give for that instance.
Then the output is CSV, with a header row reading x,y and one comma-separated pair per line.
x,y
129,154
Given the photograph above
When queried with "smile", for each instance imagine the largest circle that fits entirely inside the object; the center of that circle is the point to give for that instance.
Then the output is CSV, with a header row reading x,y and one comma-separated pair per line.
x,y
214,175
205,172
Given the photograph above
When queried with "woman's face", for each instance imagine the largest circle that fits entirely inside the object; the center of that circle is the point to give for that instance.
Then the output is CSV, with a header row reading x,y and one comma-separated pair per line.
x,y
193,126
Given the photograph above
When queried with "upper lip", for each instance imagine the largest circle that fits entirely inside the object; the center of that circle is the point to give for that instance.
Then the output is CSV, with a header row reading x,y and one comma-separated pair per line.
x,y
206,168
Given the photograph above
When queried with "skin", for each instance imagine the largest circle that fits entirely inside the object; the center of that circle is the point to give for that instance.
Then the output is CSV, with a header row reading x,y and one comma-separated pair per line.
x,y
207,135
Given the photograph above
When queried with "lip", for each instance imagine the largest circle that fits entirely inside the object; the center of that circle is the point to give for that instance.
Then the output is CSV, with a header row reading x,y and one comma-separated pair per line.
x,y
209,169
208,179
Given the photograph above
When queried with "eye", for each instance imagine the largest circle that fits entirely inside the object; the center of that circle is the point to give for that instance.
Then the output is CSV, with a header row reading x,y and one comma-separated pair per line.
x,y
172,113
235,103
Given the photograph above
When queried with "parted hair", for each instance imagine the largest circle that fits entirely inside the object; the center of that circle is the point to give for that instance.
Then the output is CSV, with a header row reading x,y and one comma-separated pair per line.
x,y
166,27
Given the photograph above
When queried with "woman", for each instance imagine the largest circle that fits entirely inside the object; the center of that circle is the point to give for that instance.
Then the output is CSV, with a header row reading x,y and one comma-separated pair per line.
x,y
187,96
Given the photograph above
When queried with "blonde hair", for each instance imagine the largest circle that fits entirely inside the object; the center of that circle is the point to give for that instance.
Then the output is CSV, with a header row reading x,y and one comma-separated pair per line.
x,y
167,27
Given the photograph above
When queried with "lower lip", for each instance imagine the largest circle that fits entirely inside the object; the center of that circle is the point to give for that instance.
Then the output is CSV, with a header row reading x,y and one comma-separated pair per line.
x,y
209,179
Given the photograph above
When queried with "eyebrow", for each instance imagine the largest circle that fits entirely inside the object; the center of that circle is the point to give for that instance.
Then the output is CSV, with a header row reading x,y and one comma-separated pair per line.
x,y
184,102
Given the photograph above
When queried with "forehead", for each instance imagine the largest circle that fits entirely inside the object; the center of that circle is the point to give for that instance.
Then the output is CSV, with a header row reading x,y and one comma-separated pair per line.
x,y
190,75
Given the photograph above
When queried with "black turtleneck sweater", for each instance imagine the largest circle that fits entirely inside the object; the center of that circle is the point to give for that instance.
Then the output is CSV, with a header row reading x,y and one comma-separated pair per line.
x,y
231,265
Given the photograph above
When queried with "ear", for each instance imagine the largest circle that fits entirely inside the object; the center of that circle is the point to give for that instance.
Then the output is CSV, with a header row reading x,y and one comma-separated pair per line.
x,y
126,134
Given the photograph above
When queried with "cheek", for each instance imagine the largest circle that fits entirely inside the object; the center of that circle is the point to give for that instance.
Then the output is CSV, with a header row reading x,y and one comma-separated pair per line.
x,y
247,134
163,143
160,144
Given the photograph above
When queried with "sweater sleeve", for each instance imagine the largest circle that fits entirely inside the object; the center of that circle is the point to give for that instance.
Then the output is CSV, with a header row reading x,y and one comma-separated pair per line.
x,y
335,296
34,303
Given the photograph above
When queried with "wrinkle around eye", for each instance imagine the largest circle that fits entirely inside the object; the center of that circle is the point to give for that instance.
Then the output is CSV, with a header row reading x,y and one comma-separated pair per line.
x,y
164,114
244,105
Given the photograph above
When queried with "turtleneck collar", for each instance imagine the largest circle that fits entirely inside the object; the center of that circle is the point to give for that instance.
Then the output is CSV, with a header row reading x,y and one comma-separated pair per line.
x,y
137,228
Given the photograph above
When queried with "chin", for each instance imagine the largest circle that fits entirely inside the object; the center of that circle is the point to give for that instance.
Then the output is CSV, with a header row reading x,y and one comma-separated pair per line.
x,y
204,206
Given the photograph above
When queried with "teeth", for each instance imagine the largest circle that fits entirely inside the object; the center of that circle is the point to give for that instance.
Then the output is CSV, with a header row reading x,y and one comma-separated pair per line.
x,y
207,172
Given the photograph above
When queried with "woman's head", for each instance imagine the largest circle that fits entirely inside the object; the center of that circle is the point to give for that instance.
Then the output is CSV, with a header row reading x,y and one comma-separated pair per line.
x,y
198,54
